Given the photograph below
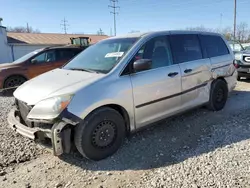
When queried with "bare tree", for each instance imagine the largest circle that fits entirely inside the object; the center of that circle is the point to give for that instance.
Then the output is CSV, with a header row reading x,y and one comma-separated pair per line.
x,y
200,28
21,29
242,32
134,31
227,32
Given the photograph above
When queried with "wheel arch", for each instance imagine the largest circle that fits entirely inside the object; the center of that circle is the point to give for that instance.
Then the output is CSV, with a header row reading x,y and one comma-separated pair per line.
x,y
121,110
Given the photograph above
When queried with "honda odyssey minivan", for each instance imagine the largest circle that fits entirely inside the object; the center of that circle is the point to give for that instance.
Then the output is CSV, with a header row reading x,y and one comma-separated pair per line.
x,y
120,85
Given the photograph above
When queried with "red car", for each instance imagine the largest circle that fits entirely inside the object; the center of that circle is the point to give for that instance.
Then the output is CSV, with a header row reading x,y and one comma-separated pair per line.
x,y
35,63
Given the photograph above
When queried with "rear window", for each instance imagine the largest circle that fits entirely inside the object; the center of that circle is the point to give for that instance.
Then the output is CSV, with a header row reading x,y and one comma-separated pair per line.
x,y
185,48
214,45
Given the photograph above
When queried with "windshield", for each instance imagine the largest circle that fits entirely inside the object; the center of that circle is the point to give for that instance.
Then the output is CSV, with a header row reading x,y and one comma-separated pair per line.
x,y
102,56
236,47
27,56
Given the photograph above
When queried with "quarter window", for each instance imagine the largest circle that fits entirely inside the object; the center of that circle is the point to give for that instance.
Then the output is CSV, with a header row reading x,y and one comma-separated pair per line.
x,y
185,48
214,45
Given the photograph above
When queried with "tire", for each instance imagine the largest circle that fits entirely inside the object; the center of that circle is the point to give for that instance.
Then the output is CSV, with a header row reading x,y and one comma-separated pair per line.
x,y
93,140
238,78
218,95
14,81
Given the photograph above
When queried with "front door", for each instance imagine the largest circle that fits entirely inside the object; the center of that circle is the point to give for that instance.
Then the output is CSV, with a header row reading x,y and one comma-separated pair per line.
x,y
42,63
156,91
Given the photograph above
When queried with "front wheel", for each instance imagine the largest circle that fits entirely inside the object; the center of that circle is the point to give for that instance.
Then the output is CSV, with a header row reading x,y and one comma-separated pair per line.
x,y
13,82
218,95
100,134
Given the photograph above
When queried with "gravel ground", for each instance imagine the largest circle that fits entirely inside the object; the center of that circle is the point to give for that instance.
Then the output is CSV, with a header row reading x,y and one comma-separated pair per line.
x,y
13,148
197,149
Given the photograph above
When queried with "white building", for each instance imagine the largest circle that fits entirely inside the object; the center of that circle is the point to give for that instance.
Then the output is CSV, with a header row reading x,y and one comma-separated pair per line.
x,y
16,45
5,54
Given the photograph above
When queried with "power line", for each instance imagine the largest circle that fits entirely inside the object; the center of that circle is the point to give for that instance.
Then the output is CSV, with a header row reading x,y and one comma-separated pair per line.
x,y
64,25
114,12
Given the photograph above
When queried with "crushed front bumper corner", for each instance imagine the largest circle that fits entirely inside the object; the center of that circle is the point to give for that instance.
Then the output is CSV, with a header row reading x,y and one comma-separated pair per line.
x,y
59,135
16,125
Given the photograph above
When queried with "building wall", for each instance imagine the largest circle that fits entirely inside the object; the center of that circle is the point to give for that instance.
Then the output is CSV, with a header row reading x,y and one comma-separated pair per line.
x,y
5,55
21,50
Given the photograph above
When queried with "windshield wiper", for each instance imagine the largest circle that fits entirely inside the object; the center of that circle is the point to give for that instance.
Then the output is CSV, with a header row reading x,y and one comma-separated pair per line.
x,y
81,69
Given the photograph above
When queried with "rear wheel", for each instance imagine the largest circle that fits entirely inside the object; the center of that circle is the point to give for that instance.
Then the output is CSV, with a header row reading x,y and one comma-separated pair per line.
x,y
100,134
218,95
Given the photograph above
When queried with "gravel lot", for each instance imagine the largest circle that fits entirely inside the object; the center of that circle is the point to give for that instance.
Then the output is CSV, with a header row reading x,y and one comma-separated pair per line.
x,y
197,149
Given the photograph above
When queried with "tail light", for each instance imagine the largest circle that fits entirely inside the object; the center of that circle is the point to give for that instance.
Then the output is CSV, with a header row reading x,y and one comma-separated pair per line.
x,y
236,65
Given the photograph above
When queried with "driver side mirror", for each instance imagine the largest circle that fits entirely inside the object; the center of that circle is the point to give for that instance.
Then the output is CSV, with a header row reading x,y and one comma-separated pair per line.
x,y
33,61
142,64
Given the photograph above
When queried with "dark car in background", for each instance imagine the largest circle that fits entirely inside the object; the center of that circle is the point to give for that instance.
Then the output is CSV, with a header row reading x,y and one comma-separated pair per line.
x,y
35,63
242,57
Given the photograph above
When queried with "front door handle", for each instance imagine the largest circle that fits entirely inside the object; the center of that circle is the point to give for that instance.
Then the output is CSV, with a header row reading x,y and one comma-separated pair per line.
x,y
188,70
172,74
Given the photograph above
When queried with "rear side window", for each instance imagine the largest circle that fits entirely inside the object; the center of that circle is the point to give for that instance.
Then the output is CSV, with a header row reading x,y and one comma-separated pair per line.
x,y
185,48
214,46
66,54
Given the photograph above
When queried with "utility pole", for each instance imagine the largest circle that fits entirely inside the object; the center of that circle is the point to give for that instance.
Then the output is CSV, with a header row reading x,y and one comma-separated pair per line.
x,y
28,29
235,7
111,33
64,25
114,12
221,15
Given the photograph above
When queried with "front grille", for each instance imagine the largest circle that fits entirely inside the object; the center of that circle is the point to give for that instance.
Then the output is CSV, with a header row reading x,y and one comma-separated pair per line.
x,y
246,58
24,111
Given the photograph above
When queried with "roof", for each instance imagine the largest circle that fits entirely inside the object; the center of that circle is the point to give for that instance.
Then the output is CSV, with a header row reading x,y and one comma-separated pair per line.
x,y
48,38
141,34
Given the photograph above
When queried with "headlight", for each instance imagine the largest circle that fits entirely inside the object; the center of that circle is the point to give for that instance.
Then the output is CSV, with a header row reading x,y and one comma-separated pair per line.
x,y
238,56
49,108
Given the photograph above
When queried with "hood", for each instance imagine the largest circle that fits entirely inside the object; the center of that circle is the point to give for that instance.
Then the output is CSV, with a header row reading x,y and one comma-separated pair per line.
x,y
246,52
54,83
7,65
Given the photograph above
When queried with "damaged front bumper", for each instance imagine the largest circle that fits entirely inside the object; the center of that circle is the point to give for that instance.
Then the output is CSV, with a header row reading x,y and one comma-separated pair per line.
x,y
59,132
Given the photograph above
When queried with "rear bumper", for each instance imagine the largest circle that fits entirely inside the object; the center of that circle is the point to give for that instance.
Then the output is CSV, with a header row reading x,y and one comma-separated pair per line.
x,y
59,133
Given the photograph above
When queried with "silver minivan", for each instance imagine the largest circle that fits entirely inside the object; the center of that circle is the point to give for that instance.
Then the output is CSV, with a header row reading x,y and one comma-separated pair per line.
x,y
120,85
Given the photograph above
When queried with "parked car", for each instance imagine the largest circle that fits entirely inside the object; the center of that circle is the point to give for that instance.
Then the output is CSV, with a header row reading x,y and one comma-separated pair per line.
x,y
242,56
35,63
122,84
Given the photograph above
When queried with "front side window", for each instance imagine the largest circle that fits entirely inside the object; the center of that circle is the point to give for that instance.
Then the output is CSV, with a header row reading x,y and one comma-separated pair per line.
x,y
214,45
48,56
102,56
158,50
27,56
185,48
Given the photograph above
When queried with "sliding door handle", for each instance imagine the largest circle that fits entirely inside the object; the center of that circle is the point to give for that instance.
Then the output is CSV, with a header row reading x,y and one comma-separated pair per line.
x,y
172,74
188,70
